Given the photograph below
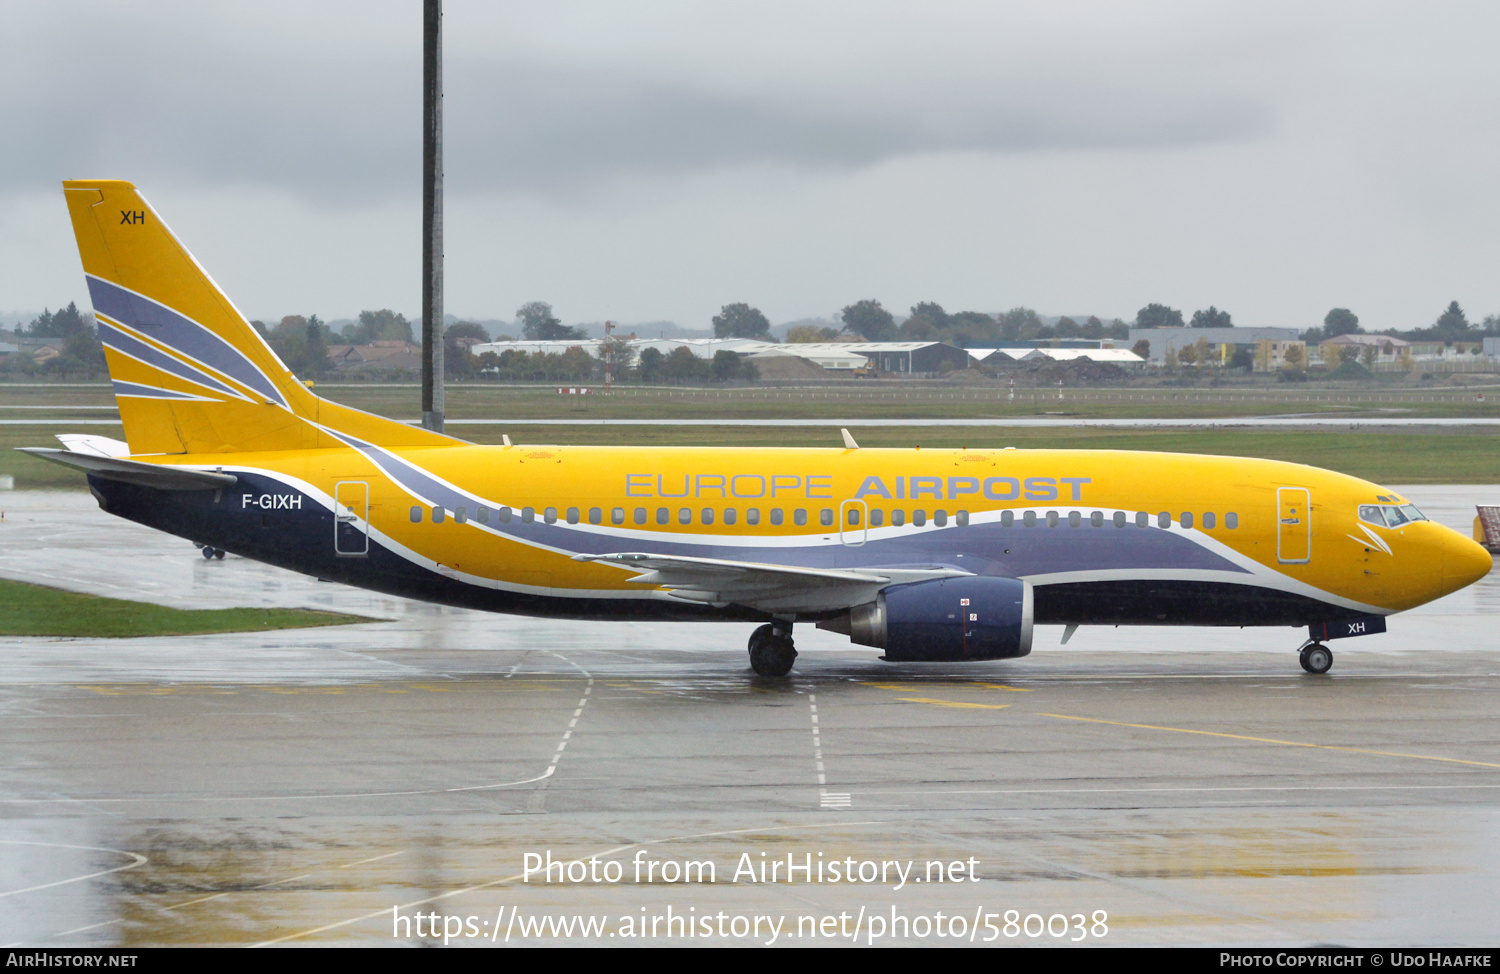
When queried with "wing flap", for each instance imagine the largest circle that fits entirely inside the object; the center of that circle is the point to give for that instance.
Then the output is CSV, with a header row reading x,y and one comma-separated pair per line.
x,y
762,585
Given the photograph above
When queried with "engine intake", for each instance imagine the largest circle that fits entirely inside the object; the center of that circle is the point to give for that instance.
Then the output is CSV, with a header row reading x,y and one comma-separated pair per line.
x,y
945,620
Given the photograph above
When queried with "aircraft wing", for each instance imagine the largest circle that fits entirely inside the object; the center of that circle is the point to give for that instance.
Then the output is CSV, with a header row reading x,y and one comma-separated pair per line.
x,y
159,475
760,585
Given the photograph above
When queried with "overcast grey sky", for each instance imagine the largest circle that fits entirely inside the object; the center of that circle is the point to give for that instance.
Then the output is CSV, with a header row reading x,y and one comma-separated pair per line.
x,y
647,161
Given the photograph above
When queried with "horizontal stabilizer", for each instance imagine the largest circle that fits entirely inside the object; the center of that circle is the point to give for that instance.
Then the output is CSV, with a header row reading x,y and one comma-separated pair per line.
x,y
158,475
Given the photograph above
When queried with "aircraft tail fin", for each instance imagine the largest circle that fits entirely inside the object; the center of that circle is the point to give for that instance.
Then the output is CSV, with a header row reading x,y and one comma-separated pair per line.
x,y
190,374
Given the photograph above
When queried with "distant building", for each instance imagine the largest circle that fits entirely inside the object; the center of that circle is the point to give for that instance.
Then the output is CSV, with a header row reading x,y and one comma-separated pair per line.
x,y
381,356
1387,349
833,360
1161,339
1271,354
902,358
905,358
1094,353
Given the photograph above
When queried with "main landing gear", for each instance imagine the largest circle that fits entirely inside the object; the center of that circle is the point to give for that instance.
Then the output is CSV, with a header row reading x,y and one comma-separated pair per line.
x,y
1316,658
771,649
210,552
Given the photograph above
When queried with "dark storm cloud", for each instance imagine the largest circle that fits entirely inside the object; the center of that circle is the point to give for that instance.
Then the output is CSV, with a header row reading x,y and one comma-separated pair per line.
x,y
187,94
549,126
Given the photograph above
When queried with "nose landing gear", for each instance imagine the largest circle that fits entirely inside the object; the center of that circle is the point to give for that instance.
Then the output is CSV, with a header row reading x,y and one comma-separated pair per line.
x,y
771,649
1316,658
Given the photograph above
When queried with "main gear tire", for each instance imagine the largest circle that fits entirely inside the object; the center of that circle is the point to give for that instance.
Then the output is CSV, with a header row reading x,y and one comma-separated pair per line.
x,y
1316,659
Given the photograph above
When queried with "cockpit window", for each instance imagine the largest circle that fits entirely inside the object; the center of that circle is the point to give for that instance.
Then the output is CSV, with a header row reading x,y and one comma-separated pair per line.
x,y
1390,515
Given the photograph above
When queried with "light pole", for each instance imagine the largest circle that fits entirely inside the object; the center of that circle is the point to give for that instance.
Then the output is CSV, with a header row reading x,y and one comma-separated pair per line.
x,y
432,215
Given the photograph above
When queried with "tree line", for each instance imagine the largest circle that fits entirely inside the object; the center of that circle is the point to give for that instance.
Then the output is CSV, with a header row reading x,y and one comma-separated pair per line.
x,y
70,331
1452,325
928,321
303,342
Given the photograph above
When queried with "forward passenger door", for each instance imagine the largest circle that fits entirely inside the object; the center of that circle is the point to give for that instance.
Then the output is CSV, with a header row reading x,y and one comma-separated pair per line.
x,y
1293,525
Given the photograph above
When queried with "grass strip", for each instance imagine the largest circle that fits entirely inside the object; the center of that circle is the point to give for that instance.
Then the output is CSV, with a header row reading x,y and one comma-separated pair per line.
x,y
36,610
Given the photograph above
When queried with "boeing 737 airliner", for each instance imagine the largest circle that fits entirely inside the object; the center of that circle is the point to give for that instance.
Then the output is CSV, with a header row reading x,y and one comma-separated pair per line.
x,y
929,555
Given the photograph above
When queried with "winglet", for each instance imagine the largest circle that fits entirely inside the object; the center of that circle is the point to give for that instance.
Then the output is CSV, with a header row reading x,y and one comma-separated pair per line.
x,y
849,443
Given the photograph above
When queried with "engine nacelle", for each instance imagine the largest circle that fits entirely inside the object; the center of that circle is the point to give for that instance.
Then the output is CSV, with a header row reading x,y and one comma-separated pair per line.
x,y
946,620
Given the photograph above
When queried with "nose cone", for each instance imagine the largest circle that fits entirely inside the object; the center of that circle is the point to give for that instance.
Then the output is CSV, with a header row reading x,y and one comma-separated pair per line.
x,y
1464,562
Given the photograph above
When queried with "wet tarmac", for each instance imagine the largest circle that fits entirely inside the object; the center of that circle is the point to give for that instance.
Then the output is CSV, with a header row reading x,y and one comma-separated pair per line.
x,y
1137,786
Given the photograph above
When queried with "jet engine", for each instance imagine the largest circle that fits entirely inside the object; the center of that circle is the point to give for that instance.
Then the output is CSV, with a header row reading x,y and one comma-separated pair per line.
x,y
944,620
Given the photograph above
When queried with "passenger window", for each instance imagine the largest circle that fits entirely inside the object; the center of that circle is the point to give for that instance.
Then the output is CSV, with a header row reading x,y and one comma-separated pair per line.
x,y
1142,519
1097,519
1187,519
730,516
962,519
663,516
1209,520
877,518
461,515
853,516
940,518
825,517
1231,520
528,515
617,516
708,515
438,514
918,518
550,515
483,513
572,515
898,518
1164,520
752,515
1075,518
596,516
416,515
685,515
505,515
1052,519
776,515
1119,519
640,515
1029,519
1007,518
799,516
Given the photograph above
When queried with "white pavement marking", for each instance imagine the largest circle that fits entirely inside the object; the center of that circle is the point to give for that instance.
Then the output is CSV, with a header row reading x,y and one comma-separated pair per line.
x,y
214,896
539,796
139,860
282,798
826,798
388,855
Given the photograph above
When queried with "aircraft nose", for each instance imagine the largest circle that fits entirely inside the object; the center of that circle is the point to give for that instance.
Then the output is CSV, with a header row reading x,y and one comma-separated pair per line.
x,y
1464,562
